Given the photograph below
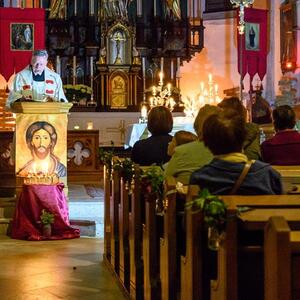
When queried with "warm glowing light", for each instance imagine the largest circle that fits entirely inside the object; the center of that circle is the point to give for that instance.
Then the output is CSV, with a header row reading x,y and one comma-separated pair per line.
x,y
161,77
144,111
76,127
288,65
161,95
207,95
90,125
45,167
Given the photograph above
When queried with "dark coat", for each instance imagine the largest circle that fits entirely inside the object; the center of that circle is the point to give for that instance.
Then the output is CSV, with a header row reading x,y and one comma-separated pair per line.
x,y
282,149
219,177
152,150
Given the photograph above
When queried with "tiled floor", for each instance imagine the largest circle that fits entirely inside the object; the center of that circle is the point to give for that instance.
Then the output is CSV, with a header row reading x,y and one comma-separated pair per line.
x,y
67,269
84,207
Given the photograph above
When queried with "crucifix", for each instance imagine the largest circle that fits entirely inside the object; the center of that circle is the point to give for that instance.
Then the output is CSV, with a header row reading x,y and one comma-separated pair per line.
x,y
118,38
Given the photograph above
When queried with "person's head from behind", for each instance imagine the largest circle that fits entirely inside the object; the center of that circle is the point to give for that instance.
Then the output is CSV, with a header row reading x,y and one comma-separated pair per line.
x,y
41,138
284,117
160,120
224,132
234,103
39,61
203,113
180,137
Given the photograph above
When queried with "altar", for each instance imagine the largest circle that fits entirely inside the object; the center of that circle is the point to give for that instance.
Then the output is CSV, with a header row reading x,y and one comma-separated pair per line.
x,y
35,198
136,132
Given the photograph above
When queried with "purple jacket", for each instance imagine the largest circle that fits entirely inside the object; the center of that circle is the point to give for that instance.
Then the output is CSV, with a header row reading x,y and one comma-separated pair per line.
x,y
282,149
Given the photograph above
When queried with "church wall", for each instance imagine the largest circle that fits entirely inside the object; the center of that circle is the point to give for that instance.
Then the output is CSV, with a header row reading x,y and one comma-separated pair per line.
x,y
219,57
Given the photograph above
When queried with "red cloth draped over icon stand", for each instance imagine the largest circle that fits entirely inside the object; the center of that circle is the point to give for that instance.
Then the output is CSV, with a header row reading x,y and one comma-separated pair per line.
x,y
254,44
14,60
34,198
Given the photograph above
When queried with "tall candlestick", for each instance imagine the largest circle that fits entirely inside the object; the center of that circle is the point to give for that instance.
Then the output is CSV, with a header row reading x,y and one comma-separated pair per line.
x,y
75,7
74,70
41,3
154,8
162,65
178,67
144,75
172,69
92,8
58,69
92,66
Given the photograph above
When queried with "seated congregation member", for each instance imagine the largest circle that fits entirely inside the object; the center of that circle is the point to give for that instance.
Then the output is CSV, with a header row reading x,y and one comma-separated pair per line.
x,y
154,149
191,156
224,134
251,145
284,147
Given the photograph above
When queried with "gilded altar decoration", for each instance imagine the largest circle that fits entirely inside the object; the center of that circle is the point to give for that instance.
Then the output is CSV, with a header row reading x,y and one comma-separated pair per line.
x,y
77,92
57,9
118,92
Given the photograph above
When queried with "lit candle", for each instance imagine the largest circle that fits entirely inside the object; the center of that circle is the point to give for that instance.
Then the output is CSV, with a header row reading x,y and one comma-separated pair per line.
x,y
161,77
92,66
33,168
169,89
144,66
172,69
162,65
45,167
144,112
216,88
139,8
74,70
151,101
202,86
92,8
58,71
178,67
154,90
90,125
209,77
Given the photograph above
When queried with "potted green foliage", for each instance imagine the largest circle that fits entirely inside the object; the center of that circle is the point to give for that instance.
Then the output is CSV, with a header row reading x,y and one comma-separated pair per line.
x,y
153,185
47,218
215,215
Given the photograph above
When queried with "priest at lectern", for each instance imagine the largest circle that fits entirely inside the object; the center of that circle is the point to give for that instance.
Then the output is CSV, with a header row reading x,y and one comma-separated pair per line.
x,y
37,82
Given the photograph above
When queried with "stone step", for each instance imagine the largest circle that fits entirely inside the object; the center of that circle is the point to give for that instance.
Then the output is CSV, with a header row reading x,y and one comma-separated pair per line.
x,y
7,207
87,227
7,201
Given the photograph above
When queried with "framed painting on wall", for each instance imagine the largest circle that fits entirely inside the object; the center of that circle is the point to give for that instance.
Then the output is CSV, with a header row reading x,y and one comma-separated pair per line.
x,y
21,36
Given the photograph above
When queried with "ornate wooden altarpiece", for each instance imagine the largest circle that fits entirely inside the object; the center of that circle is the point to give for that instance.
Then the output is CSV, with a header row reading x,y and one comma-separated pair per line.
x,y
113,45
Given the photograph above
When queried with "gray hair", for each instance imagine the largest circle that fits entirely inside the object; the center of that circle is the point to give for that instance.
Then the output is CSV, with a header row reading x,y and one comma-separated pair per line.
x,y
40,52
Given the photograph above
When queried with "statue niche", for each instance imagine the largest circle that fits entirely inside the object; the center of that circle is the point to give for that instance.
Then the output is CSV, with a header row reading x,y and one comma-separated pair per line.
x,y
118,90
119,46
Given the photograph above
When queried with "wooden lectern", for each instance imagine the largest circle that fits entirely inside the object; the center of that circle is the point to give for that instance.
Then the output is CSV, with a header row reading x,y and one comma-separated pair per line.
x,y
41,141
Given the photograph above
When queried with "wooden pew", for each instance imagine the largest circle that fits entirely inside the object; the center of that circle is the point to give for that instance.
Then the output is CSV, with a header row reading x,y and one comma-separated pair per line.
x,y
107,228
290,178
168,243
135,238
124,267
114,222
194,282
282,266
235,253
152,287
